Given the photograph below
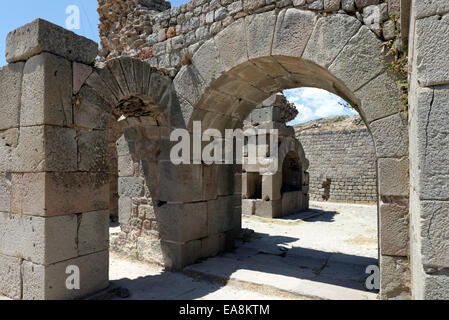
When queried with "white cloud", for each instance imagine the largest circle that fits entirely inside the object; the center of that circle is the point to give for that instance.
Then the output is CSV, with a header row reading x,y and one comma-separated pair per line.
x,y
313,103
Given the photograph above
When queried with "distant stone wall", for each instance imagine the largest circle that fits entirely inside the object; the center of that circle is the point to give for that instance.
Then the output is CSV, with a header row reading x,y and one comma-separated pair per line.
x,y
342,165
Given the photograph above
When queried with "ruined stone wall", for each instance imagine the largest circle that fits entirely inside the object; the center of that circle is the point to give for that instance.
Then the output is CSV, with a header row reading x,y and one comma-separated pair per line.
x,y
342,165
168,39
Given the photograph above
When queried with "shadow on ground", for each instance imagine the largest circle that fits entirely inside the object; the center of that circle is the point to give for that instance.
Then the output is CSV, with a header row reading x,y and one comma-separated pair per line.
x,y
268,264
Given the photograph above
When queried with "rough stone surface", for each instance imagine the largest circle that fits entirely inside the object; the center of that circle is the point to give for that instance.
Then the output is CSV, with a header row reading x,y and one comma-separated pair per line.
x,y
93,232
10,89
10,273
332,33
432,63
394,277
259,32
360,60
394,229
53,239
40,35
232,45
381,97
390,136
427,8
431,143
49,282
47,91
434,235
393,177
293,30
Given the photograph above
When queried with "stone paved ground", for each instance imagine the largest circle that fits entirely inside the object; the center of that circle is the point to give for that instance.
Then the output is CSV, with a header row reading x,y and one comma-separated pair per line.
x,y
322,253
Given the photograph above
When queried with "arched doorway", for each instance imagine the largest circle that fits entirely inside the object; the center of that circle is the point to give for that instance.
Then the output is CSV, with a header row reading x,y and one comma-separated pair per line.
x,y
237,70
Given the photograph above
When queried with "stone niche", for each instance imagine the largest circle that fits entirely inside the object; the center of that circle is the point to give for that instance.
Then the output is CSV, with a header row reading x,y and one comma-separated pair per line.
x,y
284,192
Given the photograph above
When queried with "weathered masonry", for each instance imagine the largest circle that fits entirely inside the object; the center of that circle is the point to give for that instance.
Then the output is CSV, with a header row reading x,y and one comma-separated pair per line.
x,y
285,192
57,106
342,160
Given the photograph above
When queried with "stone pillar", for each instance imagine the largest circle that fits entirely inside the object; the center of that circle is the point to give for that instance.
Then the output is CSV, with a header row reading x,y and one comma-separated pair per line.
x,y
429,149
54,186
269,201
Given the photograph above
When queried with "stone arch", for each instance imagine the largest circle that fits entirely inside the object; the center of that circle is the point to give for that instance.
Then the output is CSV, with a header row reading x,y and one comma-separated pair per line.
x,y
138,106
132,89
264,53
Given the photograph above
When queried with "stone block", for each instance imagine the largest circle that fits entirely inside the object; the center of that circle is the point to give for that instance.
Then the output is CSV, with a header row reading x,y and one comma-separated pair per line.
x,y
180,183
381,97
364,3
428,132
435,287
189,84
213,245
268,209
248,207
220,214
80,74
124,210
42,36
266,114
231,44
331,5
430,48
178,255
183,222
46,91
131,187
348,5
394,235
212,182
259,33
10,95
44,148
434,234
225,178
93,151
293,30
92,113
390,136
10,273
93,232
53,194
329,38
394,278
271,186
5,192
393,177
207,61
38,239
360,60
126,167
291,202
49,282
426,8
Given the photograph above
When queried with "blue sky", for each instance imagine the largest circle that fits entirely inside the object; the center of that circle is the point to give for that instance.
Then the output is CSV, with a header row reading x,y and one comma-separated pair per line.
x,y
311,103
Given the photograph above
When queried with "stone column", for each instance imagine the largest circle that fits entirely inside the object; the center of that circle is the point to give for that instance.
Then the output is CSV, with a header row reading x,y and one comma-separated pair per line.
x,y
54,181
429,149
